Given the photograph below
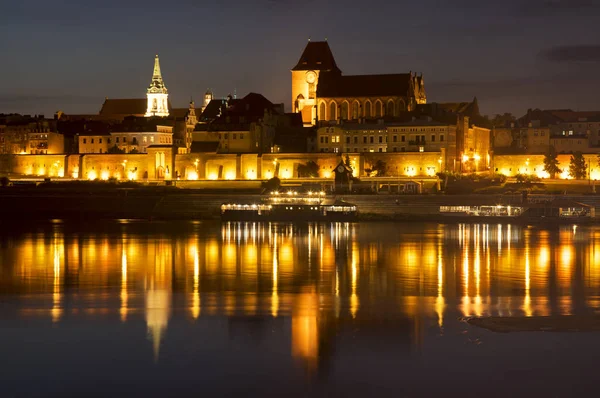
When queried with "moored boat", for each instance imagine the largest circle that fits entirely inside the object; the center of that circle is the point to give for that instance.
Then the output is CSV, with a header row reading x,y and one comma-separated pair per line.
x,y
291,206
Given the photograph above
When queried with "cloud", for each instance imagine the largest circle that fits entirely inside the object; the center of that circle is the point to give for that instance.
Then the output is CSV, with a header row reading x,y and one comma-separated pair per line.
x,y
581,53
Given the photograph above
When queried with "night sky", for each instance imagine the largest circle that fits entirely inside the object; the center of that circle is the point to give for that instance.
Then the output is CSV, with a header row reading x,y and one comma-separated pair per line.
x,y
511,54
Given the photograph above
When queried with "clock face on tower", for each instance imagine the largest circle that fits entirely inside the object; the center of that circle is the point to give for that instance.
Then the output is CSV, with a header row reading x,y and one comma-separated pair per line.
x,y
311,77
340,168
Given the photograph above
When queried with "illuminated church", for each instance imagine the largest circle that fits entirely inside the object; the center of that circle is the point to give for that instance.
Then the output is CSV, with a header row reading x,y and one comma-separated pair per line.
x,y
321,92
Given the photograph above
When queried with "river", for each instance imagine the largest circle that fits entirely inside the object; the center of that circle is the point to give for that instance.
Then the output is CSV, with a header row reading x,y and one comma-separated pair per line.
x,y
150,309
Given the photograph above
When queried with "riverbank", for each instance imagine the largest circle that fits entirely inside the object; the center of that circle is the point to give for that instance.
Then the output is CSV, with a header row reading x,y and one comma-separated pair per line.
x,y
85,202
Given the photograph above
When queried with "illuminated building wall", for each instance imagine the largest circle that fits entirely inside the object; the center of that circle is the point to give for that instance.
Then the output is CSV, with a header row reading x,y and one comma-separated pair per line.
x,y
511,165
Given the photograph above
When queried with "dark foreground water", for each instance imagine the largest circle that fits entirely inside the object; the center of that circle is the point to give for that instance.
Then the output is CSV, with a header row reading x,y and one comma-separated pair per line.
x,y
281,310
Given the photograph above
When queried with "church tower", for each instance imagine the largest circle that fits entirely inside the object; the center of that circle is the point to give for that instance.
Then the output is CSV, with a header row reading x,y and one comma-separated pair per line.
x,y
157,94
316,58
208,96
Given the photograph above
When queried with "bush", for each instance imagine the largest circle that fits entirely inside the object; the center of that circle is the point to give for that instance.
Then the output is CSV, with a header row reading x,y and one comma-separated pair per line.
x,y
4,181
271,185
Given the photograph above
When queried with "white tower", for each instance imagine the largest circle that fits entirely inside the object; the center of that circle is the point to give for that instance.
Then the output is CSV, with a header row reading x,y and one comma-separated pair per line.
x,y
208,96
157,94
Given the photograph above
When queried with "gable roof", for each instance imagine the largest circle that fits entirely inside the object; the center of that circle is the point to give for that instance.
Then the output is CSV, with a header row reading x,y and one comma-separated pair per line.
x,y
331,85
124,107
204,146
317,56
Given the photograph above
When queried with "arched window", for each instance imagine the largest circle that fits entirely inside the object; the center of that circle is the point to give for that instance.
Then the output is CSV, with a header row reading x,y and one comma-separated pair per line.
x,y
378,109
322,112
390,109
355,110
344,112
332,111
368,109
401,107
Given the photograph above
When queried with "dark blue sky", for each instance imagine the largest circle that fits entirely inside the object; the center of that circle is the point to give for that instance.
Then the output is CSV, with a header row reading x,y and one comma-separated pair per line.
x,y
511,54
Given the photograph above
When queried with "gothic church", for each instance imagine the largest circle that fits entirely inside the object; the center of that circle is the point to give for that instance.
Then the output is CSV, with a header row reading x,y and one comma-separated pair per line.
x,y
321,93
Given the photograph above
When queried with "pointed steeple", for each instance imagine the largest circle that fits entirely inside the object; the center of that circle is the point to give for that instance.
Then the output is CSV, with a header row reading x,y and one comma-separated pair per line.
x,y
157,94
156,74
157,86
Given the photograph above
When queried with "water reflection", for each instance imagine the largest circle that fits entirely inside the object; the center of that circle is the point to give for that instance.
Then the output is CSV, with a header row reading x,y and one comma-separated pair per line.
x,y
321,278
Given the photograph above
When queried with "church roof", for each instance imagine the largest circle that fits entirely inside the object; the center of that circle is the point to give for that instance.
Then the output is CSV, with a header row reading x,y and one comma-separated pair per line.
x,y
124,107
204,146
317,56
331,85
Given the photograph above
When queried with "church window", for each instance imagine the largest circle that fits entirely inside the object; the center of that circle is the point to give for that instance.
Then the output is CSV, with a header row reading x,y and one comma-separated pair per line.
x,y
326,140
364,140
344,113
322,140
355,140
100,140
332,111
347,140
368,109
378,109
395,138
124,139
403,138
322,112
84,141
355,110
380,139
432,137
390,108
92,140
371,139
441,137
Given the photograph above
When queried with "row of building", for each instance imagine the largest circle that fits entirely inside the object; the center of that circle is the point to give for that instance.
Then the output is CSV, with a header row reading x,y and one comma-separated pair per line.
x,y
333,114
564,130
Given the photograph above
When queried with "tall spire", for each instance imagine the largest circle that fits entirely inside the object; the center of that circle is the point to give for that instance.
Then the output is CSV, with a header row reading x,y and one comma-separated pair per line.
x,y
157,85
156,74
157,94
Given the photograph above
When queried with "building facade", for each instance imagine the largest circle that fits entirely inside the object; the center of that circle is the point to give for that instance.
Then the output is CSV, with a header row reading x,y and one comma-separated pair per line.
x,y
321,92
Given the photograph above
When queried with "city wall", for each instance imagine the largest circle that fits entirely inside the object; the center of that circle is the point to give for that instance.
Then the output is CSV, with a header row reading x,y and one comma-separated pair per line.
x,y
162,163
511,165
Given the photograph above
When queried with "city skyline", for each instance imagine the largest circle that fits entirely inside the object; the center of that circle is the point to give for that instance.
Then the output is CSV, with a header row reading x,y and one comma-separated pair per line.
x,y
510,56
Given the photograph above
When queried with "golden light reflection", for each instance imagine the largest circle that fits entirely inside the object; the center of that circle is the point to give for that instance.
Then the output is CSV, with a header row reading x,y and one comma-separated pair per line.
x,y
254,269
196,286
305,332
124,296
56,296
275,291
354,304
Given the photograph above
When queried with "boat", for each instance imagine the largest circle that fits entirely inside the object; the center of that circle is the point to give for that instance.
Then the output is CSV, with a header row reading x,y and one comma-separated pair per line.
x,y
291,206
555,209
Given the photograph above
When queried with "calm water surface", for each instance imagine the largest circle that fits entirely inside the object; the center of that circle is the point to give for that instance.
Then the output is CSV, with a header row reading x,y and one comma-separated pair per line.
x,y
268,310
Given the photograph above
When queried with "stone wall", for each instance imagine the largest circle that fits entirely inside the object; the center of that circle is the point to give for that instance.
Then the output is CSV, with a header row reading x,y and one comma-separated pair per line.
x,y
511,165
212,166
119,166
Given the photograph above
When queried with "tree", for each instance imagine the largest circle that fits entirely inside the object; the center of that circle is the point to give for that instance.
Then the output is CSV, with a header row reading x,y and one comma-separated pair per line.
x,y
271,185
115,149
577,166
310,169
378,169
551,163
